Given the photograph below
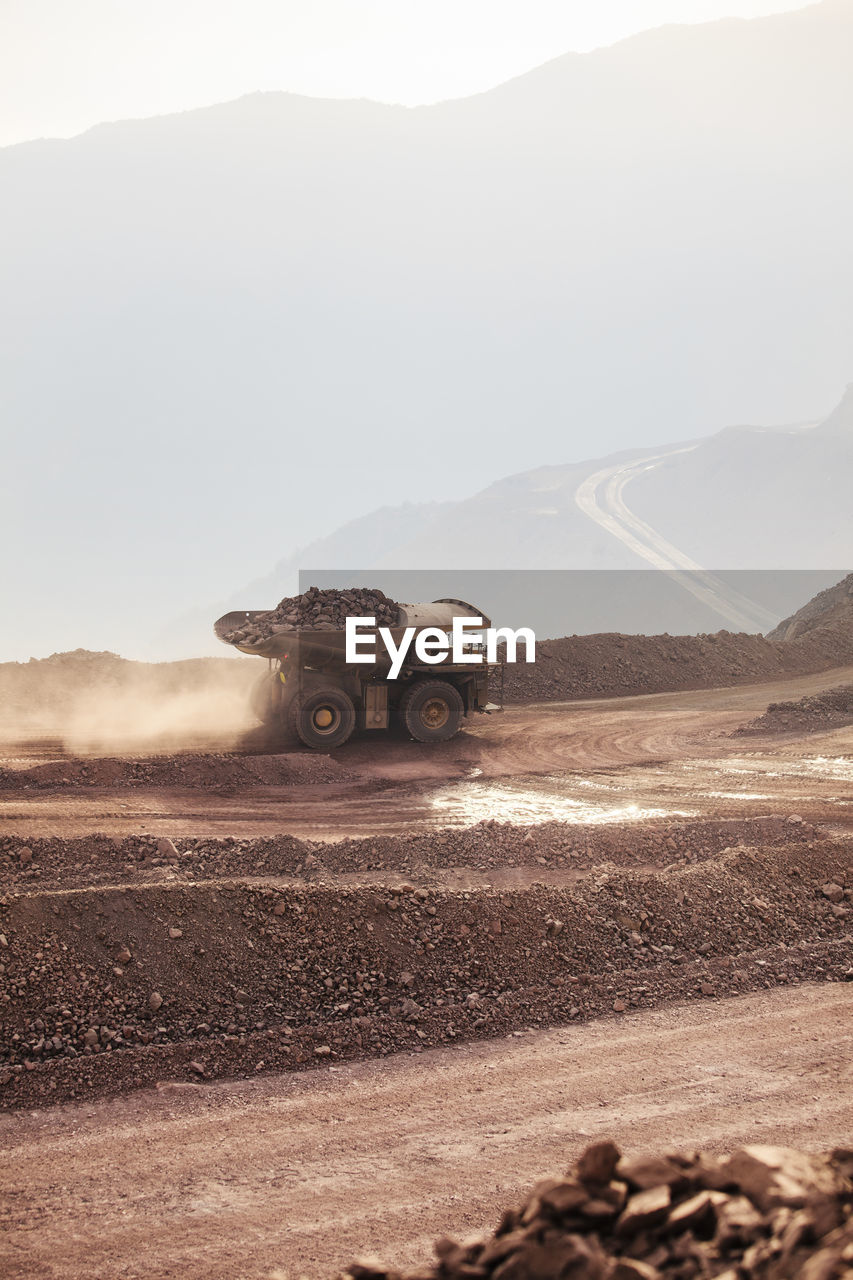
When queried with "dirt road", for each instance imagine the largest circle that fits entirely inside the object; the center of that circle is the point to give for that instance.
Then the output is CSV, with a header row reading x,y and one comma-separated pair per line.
x,y
293,1175
644,855
610,761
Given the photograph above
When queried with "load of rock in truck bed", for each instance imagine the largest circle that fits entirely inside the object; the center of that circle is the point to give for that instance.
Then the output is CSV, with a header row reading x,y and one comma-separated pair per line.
x,y
318,610
763,1212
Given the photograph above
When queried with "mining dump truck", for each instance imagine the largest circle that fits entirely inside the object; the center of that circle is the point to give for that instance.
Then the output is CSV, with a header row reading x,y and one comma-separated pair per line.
x,y
312,689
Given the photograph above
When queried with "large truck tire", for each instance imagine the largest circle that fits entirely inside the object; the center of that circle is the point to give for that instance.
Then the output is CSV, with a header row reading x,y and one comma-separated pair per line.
x,y
432,710
323,718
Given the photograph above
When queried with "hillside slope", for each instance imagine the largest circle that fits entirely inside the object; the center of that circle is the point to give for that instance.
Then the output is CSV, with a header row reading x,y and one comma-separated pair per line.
x,y
829,613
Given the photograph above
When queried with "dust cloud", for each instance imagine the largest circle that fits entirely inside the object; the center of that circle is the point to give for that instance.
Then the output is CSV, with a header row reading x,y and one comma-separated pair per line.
x,y
87,703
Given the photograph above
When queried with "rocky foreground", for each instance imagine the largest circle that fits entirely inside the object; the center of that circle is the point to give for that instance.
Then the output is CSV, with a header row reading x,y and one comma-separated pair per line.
x,y
132,961
762,1212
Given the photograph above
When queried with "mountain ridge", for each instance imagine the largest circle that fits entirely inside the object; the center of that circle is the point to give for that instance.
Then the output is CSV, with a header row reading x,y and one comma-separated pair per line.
x,y
500,527
225,335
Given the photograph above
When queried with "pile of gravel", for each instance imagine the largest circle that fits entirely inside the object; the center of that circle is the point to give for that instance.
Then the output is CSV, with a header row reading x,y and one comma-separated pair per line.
x,y
763,1212
831,709
257,957
612,665
318,610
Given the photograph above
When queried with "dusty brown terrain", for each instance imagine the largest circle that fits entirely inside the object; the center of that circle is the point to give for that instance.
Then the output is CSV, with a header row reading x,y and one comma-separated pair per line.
x,y
384,899
202,904
613,760
830,709
296,1174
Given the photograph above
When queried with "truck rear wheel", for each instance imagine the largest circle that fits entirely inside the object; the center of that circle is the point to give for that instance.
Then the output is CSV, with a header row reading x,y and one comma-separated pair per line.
x,y
323,718
432,710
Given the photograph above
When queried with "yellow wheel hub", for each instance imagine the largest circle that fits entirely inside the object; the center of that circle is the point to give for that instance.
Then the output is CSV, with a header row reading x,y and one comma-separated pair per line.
x,y
435,713
323,717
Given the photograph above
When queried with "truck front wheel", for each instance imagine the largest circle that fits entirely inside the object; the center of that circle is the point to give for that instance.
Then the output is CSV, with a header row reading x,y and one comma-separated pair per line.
x,y
323,718
432,710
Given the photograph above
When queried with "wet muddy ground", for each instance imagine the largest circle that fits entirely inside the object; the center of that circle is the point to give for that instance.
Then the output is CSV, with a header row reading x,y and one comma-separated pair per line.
x,y
615,761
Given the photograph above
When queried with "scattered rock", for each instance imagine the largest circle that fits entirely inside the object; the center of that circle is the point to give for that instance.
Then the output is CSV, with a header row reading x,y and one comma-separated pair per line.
x,y
644,1209
317,610
780,1176
764,1213
598,1163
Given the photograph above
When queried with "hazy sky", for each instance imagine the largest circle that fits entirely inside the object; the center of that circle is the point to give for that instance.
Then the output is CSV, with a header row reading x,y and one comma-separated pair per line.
x,y
68,64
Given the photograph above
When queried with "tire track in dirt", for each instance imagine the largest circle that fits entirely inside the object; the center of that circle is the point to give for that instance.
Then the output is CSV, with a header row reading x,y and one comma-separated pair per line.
x,y
612,760
304,1172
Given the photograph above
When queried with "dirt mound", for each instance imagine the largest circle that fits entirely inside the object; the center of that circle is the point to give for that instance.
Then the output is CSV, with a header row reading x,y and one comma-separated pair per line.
x,y
832,709
762,1211
551,849
830,610
112,986
318,610
613,665
817,638
610,665
196,771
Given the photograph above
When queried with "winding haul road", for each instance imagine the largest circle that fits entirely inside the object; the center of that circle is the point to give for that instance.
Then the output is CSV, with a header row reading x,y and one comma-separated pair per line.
x,y
600,497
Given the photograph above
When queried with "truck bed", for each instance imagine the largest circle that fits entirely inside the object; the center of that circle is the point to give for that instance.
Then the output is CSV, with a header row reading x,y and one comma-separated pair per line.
x,y
328,648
